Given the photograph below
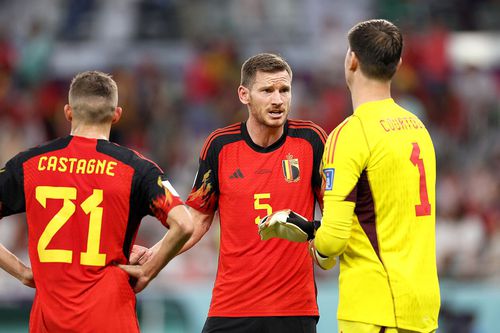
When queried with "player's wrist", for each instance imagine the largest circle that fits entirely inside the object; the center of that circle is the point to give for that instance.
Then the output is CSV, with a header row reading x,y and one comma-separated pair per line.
x,y
309,227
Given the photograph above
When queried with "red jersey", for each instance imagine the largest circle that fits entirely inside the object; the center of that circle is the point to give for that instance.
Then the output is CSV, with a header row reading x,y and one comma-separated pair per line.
x,y
84,200
246,182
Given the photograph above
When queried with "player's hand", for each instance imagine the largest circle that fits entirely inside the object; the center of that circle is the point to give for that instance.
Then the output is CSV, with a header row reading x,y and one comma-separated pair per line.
x,y
286,224
137,272
139,255
323,262
27,278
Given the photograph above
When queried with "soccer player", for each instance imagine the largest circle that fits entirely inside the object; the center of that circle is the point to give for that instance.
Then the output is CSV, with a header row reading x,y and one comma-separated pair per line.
x,y
246,171
379,202
84,198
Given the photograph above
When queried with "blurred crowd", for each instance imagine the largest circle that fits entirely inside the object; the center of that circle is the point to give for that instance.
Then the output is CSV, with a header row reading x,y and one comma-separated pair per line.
x,y
171,106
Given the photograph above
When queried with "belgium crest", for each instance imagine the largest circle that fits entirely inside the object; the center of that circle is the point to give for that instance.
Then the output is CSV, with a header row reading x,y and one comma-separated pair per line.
x,y
291,169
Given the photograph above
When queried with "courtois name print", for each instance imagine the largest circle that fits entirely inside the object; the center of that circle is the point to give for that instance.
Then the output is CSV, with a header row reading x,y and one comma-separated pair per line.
x,y
329,175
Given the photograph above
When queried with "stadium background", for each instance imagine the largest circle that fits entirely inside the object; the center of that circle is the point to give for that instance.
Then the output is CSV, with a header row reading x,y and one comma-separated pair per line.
x,y
177,67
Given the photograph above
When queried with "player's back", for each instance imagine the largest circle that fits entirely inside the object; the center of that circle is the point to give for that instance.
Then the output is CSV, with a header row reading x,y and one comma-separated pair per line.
x,y
392,246
83,212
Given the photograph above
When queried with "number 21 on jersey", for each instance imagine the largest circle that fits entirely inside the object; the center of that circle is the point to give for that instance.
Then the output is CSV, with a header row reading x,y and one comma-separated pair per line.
x,y
90,207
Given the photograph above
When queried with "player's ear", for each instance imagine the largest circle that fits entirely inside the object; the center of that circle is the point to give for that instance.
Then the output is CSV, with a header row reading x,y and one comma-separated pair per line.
x,y
353,61
399,63
117,115
244,94
68,112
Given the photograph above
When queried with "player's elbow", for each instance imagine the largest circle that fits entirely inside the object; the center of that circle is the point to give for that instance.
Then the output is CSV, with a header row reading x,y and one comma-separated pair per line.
x,y
181,223
185,229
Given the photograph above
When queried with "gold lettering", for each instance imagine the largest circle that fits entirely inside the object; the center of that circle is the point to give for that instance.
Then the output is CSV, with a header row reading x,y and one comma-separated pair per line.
x,y
41,161
72,164
109,169
101,164
52,163
75,165
91,166
62,164
80,166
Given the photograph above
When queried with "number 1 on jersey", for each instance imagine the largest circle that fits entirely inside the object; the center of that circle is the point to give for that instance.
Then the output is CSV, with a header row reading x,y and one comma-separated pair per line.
x,y
424,208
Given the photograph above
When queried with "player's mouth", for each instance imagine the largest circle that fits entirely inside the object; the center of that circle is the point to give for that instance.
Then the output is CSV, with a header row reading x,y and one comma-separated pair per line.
x,y
276,114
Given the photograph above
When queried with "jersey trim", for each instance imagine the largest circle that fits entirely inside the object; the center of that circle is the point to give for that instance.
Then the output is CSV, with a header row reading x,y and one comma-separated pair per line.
x,y
231,129
331,147
259,149
294,123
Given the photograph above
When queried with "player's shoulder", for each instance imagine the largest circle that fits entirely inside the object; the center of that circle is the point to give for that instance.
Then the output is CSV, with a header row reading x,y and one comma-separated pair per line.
x,y
222,136
125,155
306,129
225,131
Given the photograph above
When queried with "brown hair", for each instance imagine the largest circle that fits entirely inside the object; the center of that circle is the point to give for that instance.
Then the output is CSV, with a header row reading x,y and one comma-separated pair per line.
x,y
93,96
378,45
264,62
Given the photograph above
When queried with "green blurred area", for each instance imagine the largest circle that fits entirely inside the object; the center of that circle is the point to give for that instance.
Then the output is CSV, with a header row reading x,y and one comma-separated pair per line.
x,y
465,308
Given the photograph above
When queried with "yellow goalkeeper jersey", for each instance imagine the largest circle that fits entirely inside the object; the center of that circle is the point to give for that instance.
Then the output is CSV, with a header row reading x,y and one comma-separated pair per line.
x,y
379,216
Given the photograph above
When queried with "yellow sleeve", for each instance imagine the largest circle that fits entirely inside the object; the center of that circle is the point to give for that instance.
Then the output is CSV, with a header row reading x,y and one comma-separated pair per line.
x,y
344,159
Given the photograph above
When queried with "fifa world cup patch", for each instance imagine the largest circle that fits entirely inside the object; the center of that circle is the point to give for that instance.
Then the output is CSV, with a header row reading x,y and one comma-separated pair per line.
x,y
291,169
329,174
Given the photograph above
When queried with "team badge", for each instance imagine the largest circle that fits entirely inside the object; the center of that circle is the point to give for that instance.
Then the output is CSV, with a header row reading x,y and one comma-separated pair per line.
x,y
329,174
291,169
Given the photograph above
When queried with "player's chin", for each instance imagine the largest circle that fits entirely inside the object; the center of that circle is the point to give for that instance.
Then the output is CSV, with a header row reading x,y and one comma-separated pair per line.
x,y
276,121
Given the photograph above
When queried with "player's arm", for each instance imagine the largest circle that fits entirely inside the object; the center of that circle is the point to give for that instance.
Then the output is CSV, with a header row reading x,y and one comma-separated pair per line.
x,y
344,160
201,224
12,202
181,228
15,267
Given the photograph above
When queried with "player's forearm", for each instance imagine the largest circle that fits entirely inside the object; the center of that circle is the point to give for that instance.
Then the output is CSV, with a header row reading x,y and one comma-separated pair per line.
x,y
335,230
181,229
14,266
201,223
167,249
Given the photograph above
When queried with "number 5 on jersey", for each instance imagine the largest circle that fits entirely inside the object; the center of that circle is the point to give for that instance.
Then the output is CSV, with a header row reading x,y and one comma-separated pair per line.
x,y
90,206
258,205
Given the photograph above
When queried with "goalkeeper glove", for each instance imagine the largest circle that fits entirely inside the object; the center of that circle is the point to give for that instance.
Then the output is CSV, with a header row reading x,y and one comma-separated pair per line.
x,y
287,224
323,262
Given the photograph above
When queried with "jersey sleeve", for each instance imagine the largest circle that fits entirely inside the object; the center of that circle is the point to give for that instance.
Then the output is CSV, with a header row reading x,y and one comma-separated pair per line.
x,y
345,157
160,195
318,181
12,199
205,192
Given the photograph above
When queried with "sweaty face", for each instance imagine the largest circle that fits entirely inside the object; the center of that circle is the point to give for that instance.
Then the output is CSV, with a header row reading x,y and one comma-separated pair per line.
x,y
270,97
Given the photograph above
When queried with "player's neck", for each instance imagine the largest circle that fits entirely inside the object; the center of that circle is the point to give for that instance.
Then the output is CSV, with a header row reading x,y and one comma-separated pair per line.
x,y
366,90
91,131
263,135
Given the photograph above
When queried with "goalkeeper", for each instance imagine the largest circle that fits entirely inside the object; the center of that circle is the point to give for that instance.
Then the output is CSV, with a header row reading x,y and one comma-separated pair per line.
x,y
379,168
